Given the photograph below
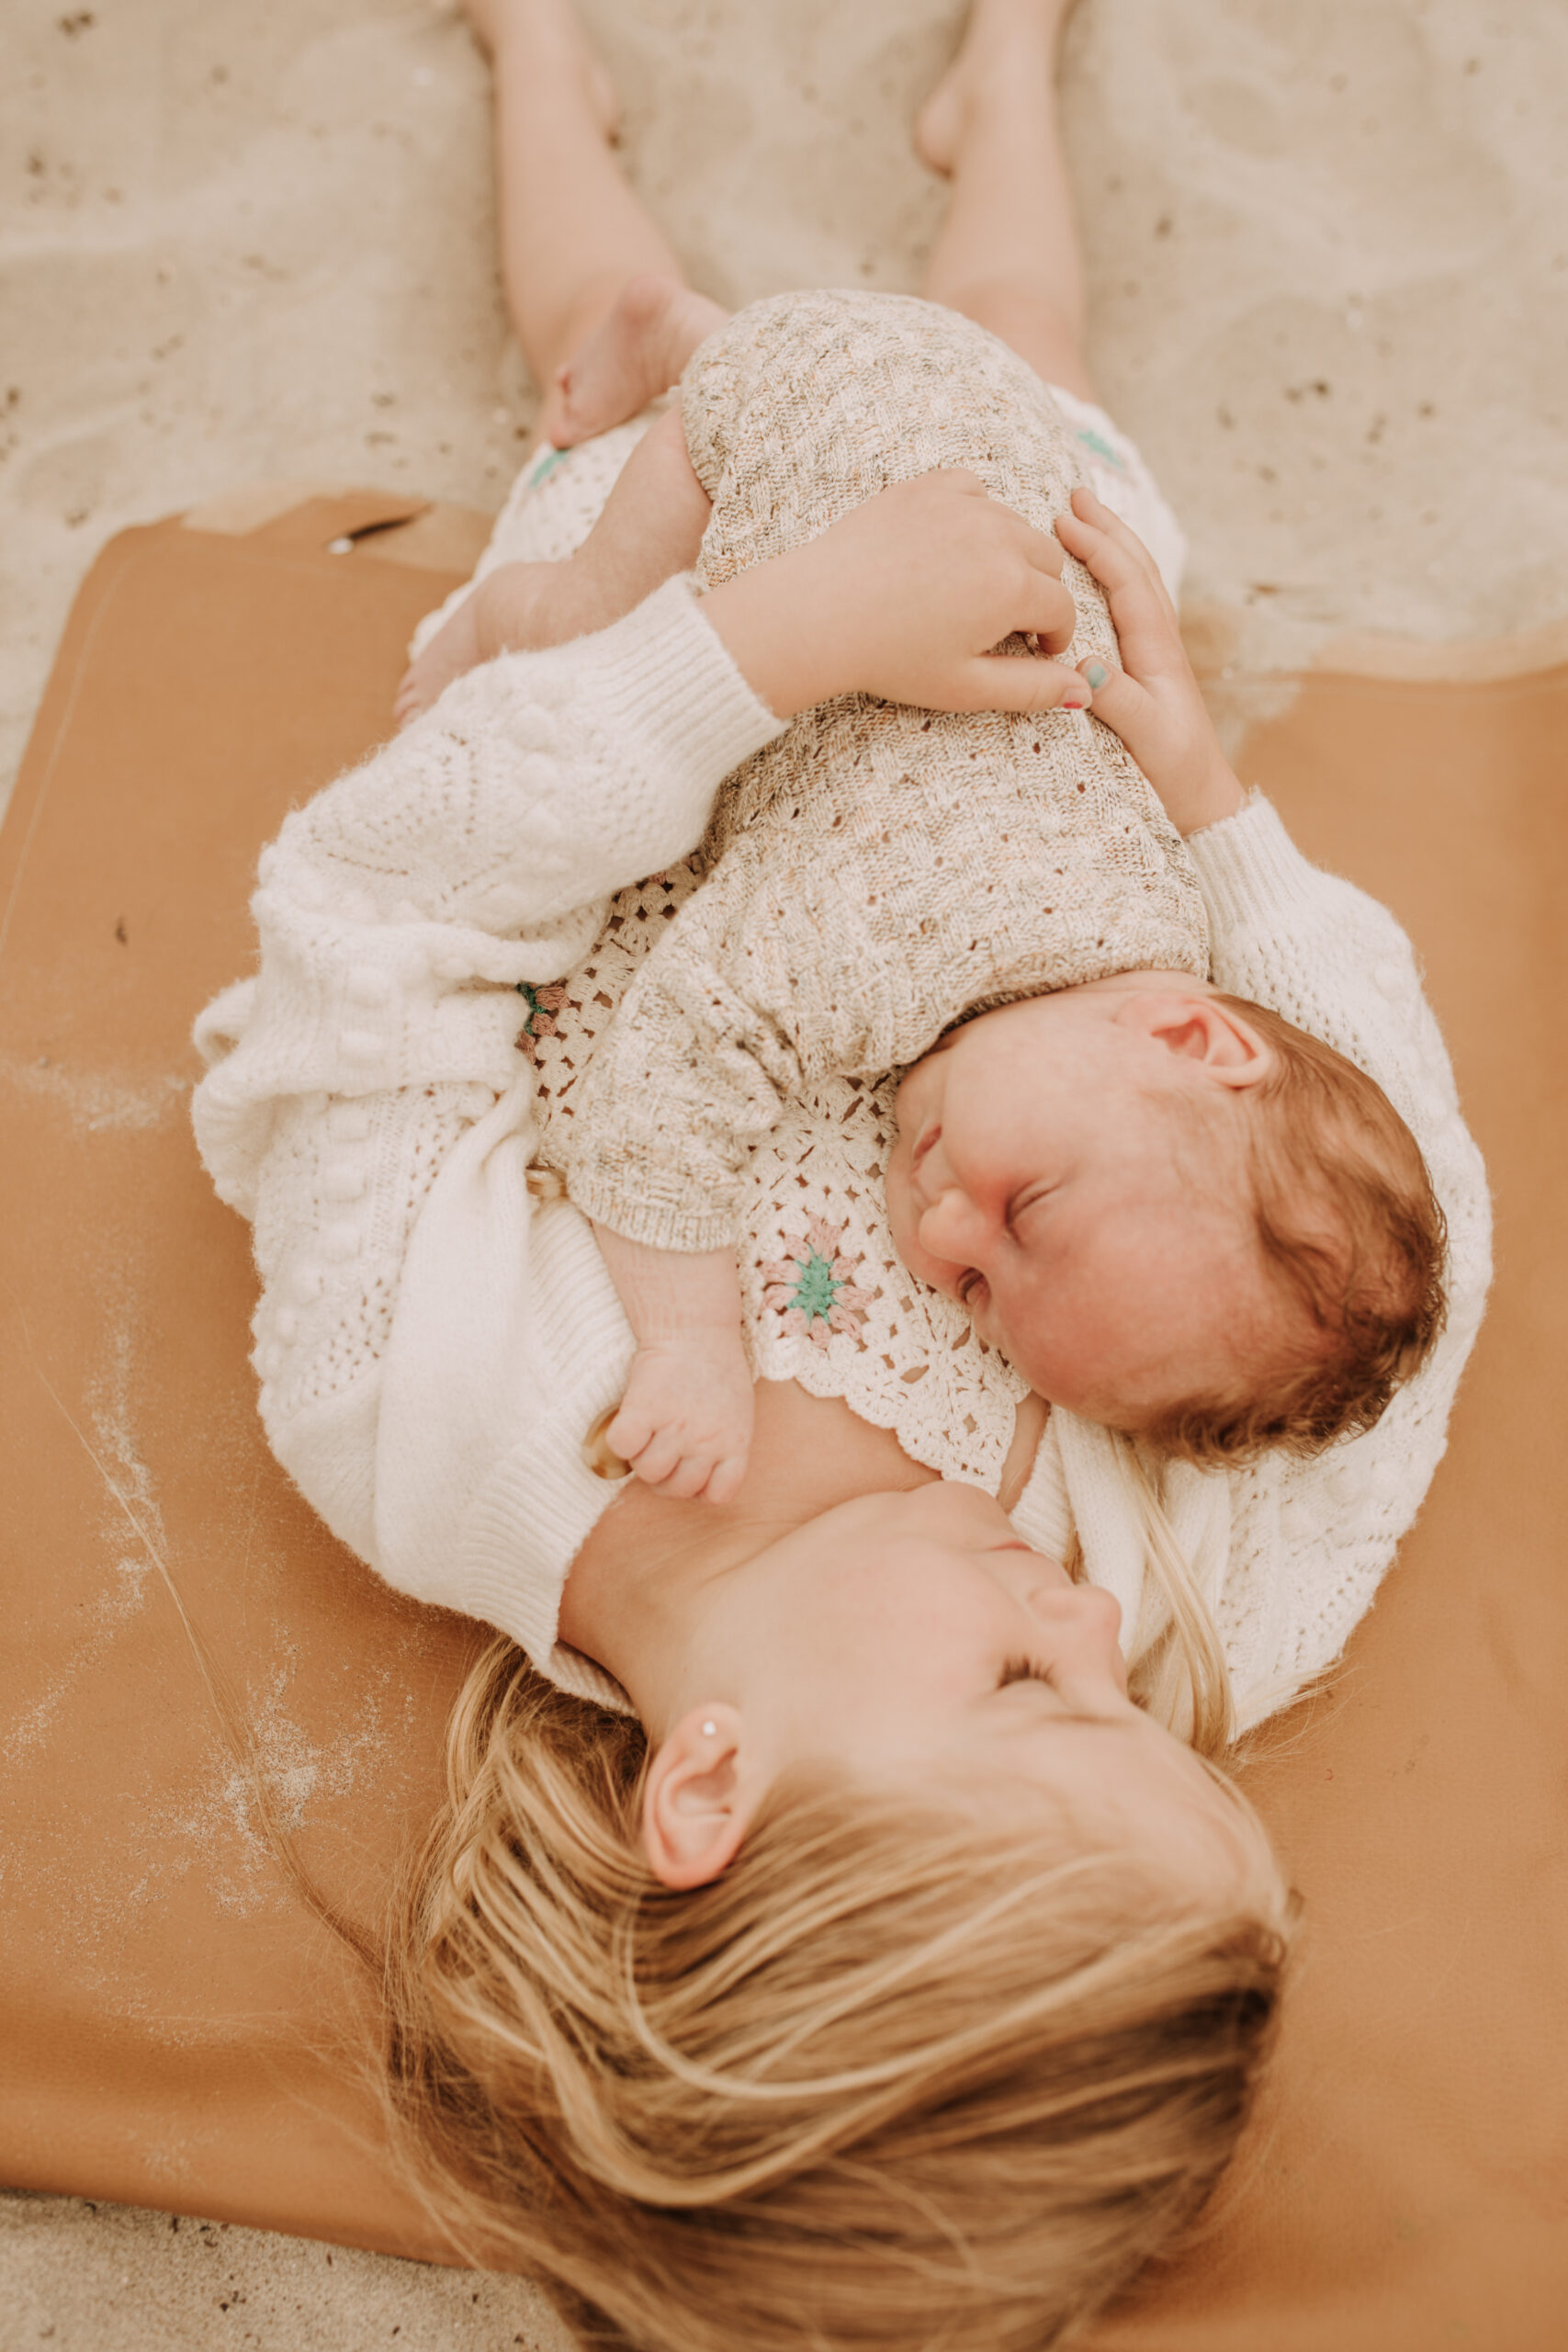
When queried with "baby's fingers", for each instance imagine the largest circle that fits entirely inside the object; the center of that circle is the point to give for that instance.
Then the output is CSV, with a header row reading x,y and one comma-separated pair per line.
x,y
686,1476
686,1482
723,1483
630,1433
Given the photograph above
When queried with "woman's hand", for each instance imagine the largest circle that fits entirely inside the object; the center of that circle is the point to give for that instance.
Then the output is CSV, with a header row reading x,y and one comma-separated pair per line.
x,y
1152,702
903,599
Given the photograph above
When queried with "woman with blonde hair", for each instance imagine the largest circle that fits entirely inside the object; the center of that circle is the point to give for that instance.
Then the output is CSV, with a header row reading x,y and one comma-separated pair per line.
x,y
831,1938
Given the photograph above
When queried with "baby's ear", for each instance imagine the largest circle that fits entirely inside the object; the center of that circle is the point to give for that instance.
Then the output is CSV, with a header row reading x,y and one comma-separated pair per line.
x,y
1201,1029
698,1801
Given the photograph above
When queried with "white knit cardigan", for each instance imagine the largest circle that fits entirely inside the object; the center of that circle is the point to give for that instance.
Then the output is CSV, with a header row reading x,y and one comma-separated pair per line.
x,y
432,1344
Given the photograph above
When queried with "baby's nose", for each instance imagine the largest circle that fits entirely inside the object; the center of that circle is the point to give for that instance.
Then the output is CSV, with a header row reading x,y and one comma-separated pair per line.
x,y
949,1229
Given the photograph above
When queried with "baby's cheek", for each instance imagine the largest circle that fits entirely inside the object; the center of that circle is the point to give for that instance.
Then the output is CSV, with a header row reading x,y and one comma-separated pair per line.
x,y
902,1225
900,1208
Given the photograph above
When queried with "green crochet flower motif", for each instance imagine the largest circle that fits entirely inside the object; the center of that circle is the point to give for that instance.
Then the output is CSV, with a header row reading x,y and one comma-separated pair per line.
x,y
1102,447
811,1289
539,1020
545,465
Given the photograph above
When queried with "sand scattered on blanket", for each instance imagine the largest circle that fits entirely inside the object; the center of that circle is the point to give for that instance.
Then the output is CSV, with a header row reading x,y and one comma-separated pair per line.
x,y
1328,247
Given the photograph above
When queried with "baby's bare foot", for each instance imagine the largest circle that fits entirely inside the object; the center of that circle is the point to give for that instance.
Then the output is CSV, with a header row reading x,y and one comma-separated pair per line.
x,y
453,650
516,609
1004,39
632,356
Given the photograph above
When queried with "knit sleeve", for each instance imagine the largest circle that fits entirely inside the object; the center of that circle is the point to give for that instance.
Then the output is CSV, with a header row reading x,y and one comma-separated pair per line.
x,y
769,979
1311,1540
399,910
431,1347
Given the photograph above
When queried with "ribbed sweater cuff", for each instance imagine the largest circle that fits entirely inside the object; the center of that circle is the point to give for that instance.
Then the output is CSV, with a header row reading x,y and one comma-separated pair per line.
x,y
658,1224
1251,871
670,681
533,1514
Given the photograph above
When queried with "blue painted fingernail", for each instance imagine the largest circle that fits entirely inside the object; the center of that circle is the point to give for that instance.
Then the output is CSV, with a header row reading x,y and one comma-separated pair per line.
x,y
1097,673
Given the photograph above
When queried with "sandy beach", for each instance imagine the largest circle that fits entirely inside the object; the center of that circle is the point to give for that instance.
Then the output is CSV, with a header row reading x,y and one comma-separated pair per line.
x,y
1327,248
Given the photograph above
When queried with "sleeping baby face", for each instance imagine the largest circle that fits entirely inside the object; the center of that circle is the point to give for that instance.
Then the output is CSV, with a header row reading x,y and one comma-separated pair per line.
x,y
1072,1169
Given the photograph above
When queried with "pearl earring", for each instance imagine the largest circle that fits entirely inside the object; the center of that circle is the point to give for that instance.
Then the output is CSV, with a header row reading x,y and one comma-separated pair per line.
x,y
710,1731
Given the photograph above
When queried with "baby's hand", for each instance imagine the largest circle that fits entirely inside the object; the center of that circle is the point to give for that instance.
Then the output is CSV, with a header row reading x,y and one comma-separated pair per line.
x,y
685,1421
1152,702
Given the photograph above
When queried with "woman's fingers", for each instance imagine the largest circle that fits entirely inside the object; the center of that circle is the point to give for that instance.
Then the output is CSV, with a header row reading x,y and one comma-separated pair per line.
x,y
1009,682
1093,511
1041,551
1047,612
1039,545
1145,619
1118,699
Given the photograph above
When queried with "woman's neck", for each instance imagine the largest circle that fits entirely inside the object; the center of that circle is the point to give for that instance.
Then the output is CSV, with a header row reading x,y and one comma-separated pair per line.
x,y
634,1599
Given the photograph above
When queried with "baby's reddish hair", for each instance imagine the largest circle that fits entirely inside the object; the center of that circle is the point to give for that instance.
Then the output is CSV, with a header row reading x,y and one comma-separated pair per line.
x,y
1351,1231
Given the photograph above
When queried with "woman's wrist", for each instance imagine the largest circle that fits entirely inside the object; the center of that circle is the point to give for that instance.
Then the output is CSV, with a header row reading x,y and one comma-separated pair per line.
x,y
783,646
1218,795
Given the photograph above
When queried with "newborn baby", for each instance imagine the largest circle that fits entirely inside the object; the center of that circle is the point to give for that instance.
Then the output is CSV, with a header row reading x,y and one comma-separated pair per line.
x,y
1175,1214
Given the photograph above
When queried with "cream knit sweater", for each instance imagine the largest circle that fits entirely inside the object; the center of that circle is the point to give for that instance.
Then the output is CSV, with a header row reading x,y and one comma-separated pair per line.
x,y
432,1345
878,872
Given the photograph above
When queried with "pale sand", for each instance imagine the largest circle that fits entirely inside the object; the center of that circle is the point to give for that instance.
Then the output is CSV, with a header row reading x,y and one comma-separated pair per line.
x,y
1328,246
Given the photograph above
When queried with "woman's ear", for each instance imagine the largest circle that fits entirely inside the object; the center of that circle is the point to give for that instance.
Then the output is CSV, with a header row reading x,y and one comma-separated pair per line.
x,y
1201,1029
696,1803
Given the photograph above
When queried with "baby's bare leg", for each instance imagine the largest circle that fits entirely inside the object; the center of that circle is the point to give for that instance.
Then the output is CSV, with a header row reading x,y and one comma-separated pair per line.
x,y
637,352
651,526
572,232
1007,253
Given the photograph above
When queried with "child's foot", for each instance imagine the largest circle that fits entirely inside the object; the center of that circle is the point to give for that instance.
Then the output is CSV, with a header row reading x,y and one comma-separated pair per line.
x,y
453,649
545,29
631,357
516,609
1003,38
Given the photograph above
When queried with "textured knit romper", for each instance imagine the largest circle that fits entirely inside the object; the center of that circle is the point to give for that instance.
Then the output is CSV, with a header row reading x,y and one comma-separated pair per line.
x,y
878,872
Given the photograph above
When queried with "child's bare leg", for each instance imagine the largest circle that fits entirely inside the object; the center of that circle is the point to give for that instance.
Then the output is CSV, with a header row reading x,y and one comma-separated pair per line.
x,y
572,232
1007,253
633,354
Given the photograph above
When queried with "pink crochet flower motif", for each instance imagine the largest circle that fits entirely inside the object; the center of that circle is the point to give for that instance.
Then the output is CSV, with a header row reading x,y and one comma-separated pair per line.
x,y
811,1287
539,1021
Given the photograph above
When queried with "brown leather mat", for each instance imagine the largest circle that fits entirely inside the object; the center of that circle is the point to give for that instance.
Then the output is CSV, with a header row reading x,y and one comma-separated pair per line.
x,y
179,2032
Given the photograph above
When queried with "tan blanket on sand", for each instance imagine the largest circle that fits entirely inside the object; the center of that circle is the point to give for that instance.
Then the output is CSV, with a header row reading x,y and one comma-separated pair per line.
x,y
177,2025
